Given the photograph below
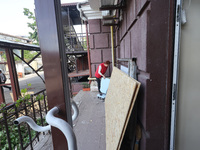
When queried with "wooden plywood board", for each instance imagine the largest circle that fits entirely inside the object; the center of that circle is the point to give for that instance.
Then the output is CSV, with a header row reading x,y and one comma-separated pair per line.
x,y
120,99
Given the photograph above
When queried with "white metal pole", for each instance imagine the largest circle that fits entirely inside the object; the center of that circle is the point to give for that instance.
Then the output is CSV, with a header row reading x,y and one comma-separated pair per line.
x,y
31,123
62,126
75,110
175,74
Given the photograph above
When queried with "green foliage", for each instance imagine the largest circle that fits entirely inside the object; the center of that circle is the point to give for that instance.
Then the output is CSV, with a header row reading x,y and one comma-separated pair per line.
x,y
39,97
4,56
24,96
28,55
2,105
32,35
13,130
86,85
14,136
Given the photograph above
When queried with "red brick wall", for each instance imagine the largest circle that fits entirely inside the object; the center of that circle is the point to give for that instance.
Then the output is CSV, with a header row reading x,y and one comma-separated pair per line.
x,y
100,45
146,33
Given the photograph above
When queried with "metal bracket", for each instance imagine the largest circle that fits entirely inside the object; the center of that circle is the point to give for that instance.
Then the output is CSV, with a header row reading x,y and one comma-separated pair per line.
x,y
132,66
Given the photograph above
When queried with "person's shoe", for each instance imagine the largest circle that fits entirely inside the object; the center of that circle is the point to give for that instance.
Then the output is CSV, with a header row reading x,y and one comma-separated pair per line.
x,y
10,88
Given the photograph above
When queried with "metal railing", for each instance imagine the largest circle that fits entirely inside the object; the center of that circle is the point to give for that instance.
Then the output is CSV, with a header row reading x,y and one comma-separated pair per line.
x,y
56,122
20,137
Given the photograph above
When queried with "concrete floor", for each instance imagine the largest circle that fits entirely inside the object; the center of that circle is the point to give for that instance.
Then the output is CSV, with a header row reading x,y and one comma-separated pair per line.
x,y
89,127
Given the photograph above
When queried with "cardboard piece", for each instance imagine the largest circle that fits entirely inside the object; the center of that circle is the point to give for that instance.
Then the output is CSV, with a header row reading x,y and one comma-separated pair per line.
x,y
119,102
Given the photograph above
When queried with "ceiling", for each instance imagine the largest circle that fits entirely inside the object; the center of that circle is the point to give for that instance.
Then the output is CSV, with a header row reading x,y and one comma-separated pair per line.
x,y
96,4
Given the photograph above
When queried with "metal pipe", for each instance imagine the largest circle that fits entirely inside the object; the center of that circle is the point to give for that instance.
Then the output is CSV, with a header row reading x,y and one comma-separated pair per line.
x,y
174,96
32,124
80,10
88,50
75,111
112,46
62,126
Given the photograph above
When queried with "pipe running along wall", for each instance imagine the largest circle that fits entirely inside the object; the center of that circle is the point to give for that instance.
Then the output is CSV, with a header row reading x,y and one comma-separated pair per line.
x,y
112,46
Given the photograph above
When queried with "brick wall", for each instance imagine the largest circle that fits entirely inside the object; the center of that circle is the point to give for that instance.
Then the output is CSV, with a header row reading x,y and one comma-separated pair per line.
x,y
100,45
146,33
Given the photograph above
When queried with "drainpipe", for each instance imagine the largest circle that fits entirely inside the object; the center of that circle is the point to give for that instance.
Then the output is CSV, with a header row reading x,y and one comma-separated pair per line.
x,y
88,51
63,126
112,46
87,37
80,10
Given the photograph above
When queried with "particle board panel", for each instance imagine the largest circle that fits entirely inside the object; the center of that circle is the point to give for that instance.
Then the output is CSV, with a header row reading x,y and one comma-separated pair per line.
x,y
120,99
129,112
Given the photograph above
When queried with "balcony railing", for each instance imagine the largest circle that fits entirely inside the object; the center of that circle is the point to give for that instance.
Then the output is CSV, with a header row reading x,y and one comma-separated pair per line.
x,y
20,137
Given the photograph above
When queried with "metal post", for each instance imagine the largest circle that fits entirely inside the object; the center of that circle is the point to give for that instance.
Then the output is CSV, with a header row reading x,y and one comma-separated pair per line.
x,y
13,74
175,74
2,98
88,50
69,23
50,31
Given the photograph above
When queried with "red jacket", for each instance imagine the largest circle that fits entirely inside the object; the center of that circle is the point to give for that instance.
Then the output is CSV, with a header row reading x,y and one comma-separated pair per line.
x,y
103,70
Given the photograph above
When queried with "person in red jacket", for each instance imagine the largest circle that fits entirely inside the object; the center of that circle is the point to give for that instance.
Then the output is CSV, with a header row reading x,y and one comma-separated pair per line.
x,y
101,70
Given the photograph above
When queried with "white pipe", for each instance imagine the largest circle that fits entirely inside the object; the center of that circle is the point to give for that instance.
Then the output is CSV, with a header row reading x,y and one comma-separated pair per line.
x,y
32,124
62,126
80,10
174,97
75,110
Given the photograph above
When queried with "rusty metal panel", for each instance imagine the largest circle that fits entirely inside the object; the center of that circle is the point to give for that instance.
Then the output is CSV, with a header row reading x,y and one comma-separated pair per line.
x,y
50,30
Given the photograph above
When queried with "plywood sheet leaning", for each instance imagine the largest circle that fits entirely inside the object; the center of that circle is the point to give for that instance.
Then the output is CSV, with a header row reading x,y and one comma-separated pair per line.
x,y
119,102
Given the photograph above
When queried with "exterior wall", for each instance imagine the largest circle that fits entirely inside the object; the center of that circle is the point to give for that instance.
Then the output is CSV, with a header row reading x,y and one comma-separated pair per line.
x,y
188,118
146,33
100,45
76,87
